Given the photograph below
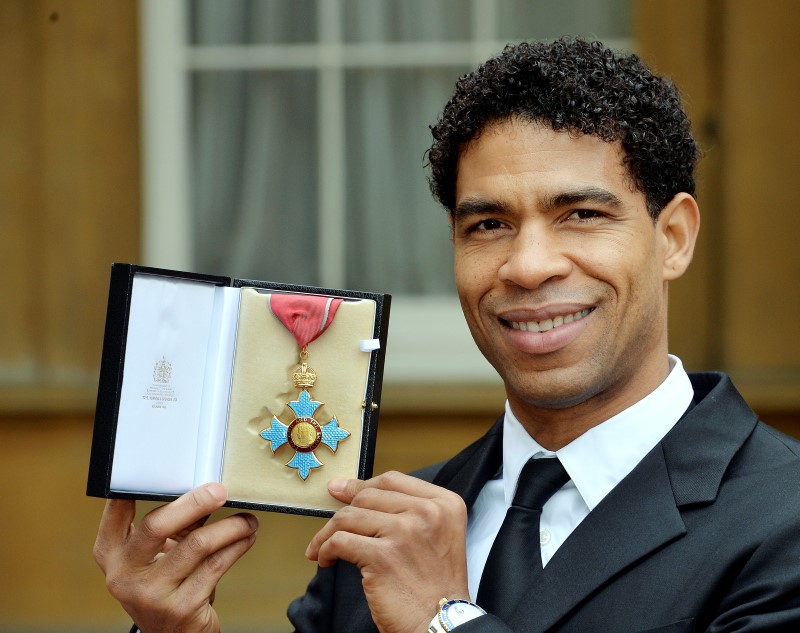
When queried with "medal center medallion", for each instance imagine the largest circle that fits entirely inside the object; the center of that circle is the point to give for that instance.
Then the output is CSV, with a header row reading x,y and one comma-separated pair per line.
x,y
304,434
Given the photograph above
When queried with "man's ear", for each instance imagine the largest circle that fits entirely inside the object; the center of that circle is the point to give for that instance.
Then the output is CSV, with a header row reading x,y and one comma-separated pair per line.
x,y
678,225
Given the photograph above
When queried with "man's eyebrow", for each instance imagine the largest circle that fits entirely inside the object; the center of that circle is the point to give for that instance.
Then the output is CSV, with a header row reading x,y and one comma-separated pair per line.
x,y
476,206
583,195
596,195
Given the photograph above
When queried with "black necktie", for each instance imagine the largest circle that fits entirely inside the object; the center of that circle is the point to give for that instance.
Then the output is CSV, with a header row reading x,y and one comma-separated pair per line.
x,y
515,559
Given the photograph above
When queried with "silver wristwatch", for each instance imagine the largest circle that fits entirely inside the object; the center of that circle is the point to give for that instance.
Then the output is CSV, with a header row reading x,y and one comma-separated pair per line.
x,y
452,613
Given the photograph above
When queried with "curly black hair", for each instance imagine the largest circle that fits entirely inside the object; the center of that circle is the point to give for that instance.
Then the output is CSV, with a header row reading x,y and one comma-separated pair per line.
x,y
580,87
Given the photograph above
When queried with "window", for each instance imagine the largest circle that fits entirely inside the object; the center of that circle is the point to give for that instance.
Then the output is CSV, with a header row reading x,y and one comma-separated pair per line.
x,y
284,140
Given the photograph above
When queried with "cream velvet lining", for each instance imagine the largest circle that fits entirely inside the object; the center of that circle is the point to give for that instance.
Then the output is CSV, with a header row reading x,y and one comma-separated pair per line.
x,y
266,355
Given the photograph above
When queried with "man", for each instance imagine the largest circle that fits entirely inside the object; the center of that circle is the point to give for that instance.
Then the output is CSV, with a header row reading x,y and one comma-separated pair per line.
x,y
568,174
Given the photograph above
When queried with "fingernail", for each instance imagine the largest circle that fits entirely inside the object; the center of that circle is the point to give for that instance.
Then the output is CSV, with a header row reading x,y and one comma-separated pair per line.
x,y
217,491
337,485
251,521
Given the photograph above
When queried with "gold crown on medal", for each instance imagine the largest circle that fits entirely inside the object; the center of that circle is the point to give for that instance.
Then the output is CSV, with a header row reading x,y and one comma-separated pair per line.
x,y
304,377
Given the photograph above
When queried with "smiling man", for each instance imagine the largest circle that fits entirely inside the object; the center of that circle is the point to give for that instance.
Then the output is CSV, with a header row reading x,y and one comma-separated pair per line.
x,y
562,273
616,493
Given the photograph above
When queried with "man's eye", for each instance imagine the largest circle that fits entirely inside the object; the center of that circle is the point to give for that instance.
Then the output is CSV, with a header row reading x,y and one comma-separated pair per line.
x,y
585,214
489,225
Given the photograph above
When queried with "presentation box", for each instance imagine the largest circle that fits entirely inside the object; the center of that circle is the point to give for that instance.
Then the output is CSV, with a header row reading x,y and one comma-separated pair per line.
x,y
271,389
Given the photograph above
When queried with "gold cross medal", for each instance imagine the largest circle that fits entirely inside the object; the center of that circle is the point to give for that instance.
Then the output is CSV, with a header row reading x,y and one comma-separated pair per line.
x,y
306,317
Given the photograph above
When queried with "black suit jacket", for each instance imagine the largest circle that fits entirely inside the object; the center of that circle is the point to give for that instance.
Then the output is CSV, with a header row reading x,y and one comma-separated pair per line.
x,y
703,535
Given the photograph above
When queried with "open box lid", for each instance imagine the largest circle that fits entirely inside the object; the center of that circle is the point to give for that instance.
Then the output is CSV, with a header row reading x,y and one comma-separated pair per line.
x,y
196,376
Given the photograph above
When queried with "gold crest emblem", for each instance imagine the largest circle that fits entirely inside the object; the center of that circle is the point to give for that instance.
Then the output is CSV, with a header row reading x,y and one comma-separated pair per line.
x,y
162,371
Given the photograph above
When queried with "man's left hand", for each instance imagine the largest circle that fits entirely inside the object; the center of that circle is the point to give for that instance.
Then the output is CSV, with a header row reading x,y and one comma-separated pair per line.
x,y
407,537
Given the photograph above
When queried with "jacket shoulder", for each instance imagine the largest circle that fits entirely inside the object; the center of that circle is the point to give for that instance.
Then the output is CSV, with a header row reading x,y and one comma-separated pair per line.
x,y
780,440
428,473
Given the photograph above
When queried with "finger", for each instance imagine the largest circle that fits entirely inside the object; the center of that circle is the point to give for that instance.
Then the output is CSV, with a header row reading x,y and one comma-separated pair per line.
x,y
169,544
186,531
345,490
177,538
346,546
360,521
187,600
172,519
115,524
387,501
205,577
115,527
205,543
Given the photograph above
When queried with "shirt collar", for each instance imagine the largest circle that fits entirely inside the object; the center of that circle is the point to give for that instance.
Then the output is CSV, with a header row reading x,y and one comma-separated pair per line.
x,y
603,456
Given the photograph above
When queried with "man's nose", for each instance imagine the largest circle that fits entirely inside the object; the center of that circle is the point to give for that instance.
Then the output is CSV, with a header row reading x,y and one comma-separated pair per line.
x,y
535,256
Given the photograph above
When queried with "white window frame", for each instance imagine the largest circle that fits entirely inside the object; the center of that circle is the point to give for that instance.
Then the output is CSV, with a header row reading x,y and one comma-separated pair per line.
x,y
429,339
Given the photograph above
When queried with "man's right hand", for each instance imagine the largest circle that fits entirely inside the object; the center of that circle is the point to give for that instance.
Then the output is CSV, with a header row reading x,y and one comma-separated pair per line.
x,y
164,571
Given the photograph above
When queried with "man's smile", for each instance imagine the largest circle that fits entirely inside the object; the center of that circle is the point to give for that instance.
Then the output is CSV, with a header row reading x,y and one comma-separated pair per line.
x,y
547,324
545,332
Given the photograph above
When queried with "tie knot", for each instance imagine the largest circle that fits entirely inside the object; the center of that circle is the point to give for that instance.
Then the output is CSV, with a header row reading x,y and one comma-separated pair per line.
x,y
538,481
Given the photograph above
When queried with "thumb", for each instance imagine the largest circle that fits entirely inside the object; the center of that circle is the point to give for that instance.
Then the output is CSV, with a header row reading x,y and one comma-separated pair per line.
x,y
345,490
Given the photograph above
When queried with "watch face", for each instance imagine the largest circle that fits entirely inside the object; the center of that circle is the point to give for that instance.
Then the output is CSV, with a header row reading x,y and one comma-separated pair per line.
x,y
457,612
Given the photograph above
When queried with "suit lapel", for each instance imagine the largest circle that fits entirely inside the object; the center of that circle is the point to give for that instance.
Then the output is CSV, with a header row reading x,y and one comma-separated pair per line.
x,y
687,467
614,536
700,448
468,471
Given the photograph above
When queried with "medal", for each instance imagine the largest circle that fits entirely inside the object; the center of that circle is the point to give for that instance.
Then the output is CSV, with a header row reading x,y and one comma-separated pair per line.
x,y
306,317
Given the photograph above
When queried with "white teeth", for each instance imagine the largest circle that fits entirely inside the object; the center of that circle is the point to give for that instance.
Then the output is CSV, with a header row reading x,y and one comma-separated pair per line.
x,y
548,324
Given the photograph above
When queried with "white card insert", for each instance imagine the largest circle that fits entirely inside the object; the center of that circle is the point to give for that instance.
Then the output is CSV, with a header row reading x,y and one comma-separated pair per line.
x,y
176,382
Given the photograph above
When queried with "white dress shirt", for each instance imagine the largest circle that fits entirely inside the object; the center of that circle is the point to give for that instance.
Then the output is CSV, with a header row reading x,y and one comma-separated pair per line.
x,y
596,462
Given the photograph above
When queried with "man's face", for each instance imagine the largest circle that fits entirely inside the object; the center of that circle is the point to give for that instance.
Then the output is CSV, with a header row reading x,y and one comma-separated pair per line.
x,y
559,268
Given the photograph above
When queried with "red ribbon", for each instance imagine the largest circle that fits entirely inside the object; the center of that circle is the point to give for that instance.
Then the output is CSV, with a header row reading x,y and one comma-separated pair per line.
x,y
305,316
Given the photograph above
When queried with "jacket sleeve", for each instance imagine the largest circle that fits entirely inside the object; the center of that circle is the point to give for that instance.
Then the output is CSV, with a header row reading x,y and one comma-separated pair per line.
x,y
764,597
334,601
484,624
313,610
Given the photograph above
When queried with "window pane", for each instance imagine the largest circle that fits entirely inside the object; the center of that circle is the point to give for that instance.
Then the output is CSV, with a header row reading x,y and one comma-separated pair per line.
x,y
254,174
525,20
236,22
406,20
400,237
